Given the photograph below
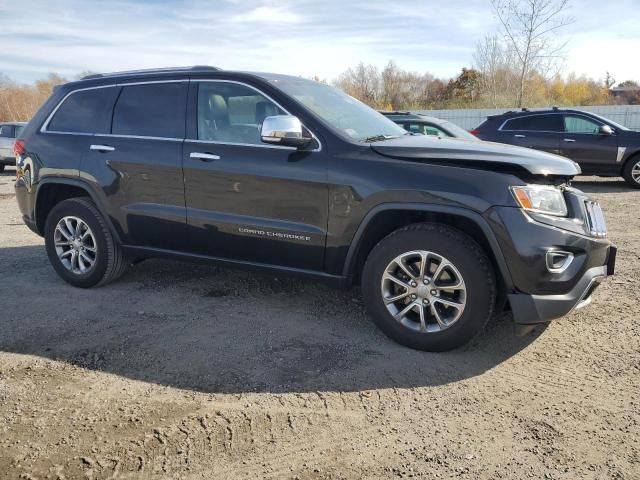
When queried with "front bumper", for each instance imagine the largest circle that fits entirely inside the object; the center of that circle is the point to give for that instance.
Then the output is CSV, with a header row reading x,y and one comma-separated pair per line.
x,y
537,293
533,309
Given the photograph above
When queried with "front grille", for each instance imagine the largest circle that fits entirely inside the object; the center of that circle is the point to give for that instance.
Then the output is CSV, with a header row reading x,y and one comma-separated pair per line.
x,y
595,219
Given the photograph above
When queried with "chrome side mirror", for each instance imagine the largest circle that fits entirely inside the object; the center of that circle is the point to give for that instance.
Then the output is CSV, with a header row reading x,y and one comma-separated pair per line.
x,y
283,130
606,130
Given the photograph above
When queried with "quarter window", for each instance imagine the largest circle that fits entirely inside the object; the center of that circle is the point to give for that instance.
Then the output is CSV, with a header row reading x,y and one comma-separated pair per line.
x,y
233,113
85,111
580,124
535,123
151,110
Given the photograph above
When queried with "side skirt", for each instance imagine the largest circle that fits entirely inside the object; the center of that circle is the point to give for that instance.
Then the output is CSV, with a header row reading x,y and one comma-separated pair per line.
x,y
336,281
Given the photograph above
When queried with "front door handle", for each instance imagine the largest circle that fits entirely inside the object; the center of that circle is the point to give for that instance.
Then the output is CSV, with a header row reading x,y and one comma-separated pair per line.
x,y
569,140
520,136
205,157
102,148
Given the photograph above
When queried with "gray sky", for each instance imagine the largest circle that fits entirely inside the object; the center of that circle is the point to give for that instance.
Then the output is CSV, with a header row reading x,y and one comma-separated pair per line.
x,y
304,37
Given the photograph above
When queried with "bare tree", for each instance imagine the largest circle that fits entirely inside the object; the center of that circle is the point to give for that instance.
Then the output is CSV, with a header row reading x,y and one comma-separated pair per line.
x,y
530,27
361,82
496,63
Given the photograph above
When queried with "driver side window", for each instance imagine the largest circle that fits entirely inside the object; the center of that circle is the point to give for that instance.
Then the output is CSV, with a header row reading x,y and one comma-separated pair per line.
x,y
580,124
232,113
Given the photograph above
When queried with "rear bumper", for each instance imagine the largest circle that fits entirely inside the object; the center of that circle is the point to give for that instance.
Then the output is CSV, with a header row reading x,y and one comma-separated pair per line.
x,y
7,160
532,309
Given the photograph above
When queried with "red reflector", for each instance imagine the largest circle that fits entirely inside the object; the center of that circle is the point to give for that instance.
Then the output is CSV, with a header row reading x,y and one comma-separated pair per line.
x,y
475,132
18,147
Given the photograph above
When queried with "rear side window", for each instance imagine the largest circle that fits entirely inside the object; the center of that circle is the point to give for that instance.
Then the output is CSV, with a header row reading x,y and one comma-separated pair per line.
x,y
151,110
536,123
6,131
85,111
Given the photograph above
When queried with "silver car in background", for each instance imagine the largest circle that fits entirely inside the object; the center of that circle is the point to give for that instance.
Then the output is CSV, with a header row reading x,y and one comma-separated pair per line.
x,y
9,131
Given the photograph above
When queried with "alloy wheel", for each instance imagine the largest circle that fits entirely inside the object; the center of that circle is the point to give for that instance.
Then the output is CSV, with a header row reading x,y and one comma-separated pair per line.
x,y
75,245
423,291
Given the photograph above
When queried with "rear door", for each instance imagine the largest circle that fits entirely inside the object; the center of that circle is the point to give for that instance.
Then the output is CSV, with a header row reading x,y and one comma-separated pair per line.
x,y
247,200
537,131
138,164
583,143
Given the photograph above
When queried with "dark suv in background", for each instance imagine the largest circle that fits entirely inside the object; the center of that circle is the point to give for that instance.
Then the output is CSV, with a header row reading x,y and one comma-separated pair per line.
x,y
599,145
284,174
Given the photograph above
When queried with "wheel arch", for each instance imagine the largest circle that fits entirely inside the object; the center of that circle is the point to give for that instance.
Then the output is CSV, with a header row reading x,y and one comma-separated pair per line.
x,y
386,218
52,191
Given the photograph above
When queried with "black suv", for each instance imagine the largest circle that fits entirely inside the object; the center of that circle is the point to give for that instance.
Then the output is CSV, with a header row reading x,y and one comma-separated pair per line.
x,y
599,145
284,174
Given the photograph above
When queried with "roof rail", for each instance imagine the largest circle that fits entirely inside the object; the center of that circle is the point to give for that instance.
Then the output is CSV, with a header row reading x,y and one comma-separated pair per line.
x,y
150,71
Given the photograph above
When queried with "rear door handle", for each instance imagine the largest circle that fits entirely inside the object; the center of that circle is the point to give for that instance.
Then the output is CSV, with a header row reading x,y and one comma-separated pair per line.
x,y
102,148
520,136
205,157
570,140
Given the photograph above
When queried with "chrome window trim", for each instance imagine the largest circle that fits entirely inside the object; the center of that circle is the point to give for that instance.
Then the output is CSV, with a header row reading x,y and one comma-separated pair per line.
x,y
220,80
213,142
43,128
142,137
502,129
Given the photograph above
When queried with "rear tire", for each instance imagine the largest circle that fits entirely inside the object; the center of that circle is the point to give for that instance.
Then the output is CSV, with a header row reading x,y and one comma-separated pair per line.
x,y
631,171
446,309
2,167
80,246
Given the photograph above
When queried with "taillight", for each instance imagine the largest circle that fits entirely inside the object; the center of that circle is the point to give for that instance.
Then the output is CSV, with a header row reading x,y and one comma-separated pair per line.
x,y
475,132
18,148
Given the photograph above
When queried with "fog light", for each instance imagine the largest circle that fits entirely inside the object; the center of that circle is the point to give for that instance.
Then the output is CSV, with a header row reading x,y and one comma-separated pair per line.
x,y
558,261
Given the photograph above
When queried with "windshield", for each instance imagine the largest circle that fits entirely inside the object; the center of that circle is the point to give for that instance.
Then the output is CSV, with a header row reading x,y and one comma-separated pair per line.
x,y
457,131
344,113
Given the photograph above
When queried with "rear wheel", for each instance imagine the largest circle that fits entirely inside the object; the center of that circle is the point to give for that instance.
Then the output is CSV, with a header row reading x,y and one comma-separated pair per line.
x,y
1,167
631,171
429,287
80,246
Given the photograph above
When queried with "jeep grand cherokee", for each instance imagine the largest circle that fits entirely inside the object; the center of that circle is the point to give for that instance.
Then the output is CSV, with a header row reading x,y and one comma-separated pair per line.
x,y
284,174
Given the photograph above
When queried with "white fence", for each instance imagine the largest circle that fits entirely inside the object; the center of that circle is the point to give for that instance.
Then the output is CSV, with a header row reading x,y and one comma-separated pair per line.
x,y
627,115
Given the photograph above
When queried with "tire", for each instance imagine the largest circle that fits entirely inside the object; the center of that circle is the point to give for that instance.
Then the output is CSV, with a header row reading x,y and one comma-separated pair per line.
x,y
631,169
440,245
2,167
109,261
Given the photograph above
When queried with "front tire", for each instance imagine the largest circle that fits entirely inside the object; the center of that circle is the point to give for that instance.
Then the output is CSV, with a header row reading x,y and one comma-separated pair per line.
x,y
631,171
80,246
429,287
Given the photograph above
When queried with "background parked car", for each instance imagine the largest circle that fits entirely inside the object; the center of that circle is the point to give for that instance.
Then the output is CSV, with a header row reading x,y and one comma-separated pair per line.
x,y
8,134
417,123
601,146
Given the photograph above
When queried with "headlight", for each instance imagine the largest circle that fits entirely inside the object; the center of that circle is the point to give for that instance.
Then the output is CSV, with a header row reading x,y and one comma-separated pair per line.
x,y
541,199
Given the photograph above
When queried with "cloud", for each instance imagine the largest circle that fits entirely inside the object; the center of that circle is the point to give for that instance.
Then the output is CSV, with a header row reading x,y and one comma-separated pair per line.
x,y
272,15
302,37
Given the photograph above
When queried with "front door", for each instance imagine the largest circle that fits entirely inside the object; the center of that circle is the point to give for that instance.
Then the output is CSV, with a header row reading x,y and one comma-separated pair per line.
x,y
246,200
583,143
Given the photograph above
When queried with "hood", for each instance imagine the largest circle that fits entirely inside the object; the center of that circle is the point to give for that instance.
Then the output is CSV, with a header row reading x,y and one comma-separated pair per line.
x,y
451,150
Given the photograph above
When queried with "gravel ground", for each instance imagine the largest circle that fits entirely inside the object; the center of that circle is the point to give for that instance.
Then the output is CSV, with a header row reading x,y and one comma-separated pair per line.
x,y
196,372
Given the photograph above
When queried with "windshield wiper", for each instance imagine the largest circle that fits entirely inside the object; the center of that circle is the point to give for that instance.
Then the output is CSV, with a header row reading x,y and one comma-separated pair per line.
x,y
378,138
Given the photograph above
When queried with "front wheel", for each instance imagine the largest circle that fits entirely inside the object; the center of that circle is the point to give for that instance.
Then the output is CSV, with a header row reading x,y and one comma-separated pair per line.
x,y
631,172
80,246
429,287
